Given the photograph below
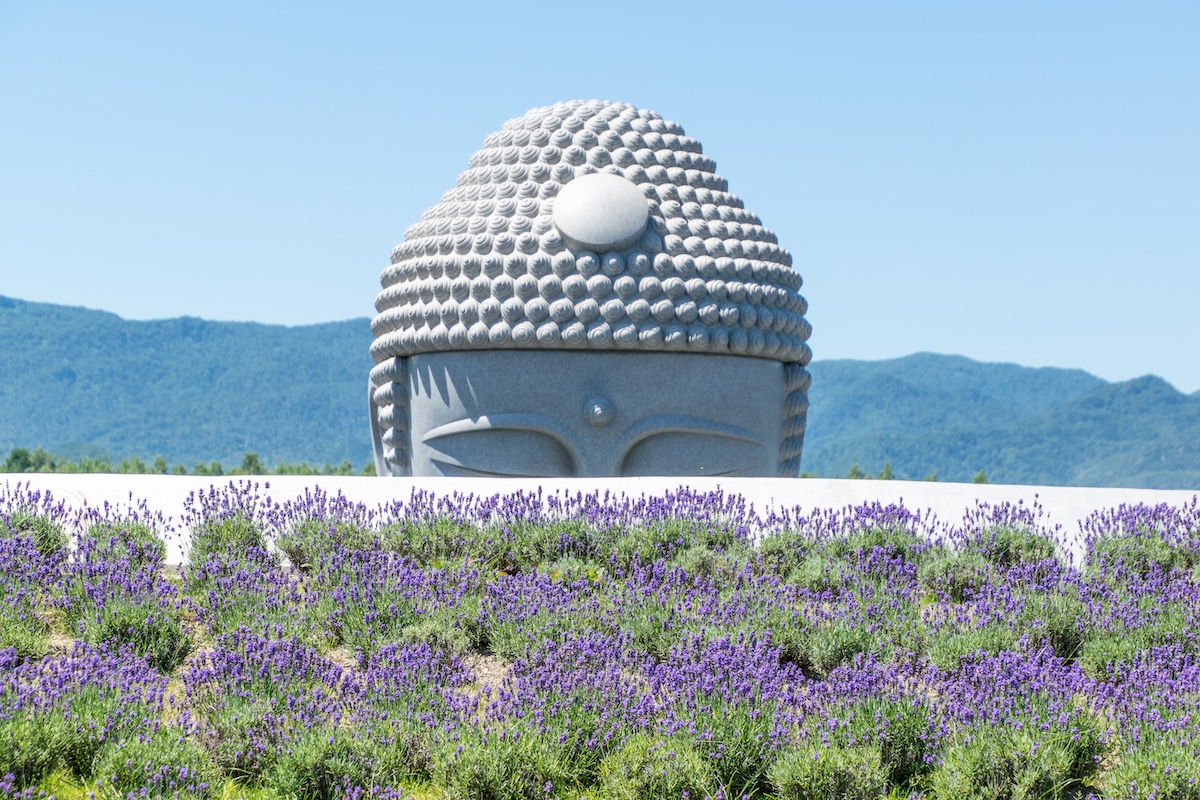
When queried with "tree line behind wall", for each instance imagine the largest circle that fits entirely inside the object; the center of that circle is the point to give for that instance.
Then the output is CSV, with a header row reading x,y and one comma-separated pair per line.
x,y
38,460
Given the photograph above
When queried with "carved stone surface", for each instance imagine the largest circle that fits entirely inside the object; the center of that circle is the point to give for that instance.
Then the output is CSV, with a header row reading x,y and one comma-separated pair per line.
x,y
594,414
593,227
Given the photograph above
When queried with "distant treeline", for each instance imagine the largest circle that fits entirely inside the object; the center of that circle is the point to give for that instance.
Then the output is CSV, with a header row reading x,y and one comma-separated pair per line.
x,y
22,460
886,474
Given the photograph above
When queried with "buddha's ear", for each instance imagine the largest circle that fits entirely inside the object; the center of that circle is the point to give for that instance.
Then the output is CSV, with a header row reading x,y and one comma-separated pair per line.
x,y
387,402
381,466
796,382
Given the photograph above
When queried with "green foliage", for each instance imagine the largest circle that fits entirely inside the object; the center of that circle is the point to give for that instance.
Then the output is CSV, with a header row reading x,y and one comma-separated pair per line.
x,y
819,573
429,541
510,764
225,536
909,547
824,648
133,466
699,561
1139,553
34,745
305,542
27,634
48,538
570,569
365,623
251,465
510,639
518,546
648,766
816,772
652,627
663,540
442,630
1018,764
344,468
150,629
980,477
238,737
321,764
1157,770
22,624
1104,650
163,762
899,728
783,551
948,651
88,724
856,473
740,748
135,540
955,573
21,460
1007,547
1058,619
903,747
30,747
401,749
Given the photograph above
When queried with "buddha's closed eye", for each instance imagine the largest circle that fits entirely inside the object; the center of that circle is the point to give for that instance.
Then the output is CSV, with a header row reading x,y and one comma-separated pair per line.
x,y
683,445
510,445
691,453
534,445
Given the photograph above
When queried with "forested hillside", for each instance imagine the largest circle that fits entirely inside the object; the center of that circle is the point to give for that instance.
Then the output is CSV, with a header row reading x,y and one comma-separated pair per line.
x,y
949,416
83,382
79,382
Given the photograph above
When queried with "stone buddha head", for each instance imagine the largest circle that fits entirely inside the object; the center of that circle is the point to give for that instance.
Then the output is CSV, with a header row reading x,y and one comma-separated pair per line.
x,y
589,300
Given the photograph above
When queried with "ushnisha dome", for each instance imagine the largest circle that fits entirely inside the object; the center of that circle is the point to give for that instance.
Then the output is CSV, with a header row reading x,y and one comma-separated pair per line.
x,y
591,226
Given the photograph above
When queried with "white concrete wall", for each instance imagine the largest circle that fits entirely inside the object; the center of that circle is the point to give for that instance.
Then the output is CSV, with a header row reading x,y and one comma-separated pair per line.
x,y
1064,506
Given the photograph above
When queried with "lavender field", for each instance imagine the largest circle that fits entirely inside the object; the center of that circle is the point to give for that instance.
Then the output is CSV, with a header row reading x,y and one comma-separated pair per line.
x,y
533,646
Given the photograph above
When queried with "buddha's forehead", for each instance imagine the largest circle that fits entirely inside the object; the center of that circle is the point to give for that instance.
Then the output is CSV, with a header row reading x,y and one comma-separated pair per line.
x,y
496,265
563,384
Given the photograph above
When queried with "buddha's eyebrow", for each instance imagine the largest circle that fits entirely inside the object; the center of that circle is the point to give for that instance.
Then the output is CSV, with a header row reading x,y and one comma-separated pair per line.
x,y
537,423
681,423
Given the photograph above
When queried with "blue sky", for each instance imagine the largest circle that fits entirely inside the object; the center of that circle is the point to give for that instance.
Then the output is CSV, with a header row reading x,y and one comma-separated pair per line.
x,y
1013,181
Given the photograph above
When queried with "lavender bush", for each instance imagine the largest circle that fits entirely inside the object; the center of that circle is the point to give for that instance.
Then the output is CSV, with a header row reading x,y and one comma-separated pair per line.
x,y
532,645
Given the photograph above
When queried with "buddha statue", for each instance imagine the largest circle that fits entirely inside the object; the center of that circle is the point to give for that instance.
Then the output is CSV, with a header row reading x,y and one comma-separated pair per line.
x,y
589,300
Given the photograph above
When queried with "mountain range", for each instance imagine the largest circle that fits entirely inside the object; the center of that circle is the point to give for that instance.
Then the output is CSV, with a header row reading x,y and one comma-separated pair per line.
x,y
80,382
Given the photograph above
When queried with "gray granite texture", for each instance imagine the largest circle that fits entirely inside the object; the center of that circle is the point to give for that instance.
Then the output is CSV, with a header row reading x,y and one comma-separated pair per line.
x,y
580,230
